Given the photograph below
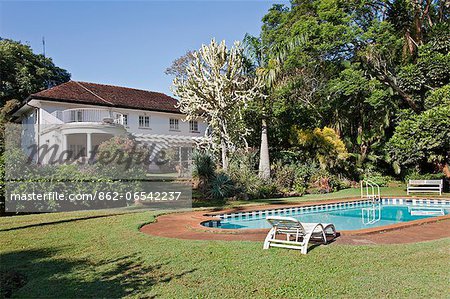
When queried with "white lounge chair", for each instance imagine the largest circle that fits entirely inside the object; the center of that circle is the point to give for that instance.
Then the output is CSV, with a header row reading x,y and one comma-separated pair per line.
x,y
301,233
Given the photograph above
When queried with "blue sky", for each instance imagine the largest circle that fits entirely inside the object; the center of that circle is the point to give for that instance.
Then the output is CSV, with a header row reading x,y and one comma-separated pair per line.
x,y
126,43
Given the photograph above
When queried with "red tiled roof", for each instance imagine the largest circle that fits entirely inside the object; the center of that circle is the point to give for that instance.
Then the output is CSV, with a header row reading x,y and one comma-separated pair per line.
x,y
108,95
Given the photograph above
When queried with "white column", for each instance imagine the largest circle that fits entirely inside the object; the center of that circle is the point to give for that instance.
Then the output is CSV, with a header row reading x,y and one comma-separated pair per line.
x,y
88,145
64,143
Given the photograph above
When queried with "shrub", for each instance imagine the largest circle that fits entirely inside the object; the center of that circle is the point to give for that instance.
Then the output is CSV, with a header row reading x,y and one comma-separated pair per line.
x,y
324,145
284,176
324,182
378,178
64,179
242,170
122,157
415,175
221,187
204,166
293,178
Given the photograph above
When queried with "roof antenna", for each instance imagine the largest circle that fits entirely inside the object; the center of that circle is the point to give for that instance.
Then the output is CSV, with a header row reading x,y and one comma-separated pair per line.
x,y
49,82
43,45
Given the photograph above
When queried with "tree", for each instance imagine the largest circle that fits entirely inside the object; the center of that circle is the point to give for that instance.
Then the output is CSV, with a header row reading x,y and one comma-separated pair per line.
x,y
179,66
217,90
264,63
362,65
255,55
421,140
22,72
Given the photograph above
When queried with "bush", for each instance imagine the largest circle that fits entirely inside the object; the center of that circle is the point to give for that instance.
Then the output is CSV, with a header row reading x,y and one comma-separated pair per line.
x,y
242,170
221,187
324,182
212,185
292,179
284,176
204,167
422,140
415,175
324,145
122,157
378,178
64,179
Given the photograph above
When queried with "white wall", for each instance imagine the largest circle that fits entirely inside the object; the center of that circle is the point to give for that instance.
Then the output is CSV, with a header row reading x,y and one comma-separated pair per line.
x,y
159,121
29,134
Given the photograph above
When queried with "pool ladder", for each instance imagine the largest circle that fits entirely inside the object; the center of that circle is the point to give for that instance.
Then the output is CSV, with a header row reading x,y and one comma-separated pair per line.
x,y
371,191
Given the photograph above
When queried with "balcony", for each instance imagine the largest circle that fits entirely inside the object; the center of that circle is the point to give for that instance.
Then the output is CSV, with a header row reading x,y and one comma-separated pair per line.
x,y
89,115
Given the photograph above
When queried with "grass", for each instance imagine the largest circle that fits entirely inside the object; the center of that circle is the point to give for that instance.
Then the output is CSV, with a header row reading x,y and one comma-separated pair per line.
x,y
108,257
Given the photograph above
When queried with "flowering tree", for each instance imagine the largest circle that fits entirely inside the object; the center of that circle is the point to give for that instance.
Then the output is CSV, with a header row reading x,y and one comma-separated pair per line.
x,y
217,90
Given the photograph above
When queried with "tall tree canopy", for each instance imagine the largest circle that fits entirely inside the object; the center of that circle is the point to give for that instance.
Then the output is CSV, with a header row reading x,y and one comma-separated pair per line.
x,y
361,68
22,72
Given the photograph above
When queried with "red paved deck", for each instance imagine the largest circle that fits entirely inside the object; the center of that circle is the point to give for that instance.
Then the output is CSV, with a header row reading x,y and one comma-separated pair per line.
x,y
187,226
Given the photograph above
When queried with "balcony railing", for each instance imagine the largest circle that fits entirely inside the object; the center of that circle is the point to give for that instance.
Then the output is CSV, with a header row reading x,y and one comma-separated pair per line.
x,y
89,115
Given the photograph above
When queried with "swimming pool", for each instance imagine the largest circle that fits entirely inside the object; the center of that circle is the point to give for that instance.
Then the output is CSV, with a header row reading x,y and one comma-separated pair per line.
x,y
351,215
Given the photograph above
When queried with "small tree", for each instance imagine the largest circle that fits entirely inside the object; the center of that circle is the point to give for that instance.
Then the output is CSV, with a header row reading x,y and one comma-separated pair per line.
x,y
217,90
179,66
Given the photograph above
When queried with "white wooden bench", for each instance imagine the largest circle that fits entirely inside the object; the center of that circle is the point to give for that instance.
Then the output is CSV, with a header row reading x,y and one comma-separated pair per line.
x,y
425,186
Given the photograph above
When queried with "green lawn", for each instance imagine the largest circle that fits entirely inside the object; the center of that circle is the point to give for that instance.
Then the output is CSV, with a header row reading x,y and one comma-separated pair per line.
x,y
109,257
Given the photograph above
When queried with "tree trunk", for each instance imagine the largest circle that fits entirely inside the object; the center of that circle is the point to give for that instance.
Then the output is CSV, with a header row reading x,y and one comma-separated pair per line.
x,y
446,170
224,155
264,161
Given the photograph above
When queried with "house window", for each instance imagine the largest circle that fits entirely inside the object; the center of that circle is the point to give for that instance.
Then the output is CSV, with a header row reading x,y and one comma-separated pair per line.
x,y
76,116
193,126
174,124
144,121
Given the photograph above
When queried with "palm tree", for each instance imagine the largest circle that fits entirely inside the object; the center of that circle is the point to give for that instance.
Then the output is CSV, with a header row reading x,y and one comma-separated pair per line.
x,y
254,50
265,63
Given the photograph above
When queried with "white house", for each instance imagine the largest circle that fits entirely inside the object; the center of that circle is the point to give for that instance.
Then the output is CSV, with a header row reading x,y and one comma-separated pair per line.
x,y
78,116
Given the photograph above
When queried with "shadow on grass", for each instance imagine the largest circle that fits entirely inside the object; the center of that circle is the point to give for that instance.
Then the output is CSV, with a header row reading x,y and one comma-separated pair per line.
x,y
60,221
41,273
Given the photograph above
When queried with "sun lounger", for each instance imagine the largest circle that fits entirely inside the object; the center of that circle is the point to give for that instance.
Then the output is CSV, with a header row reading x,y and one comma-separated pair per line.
x,y
297,234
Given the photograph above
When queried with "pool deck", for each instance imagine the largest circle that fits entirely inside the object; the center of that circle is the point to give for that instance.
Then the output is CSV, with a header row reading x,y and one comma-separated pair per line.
x,y
186,225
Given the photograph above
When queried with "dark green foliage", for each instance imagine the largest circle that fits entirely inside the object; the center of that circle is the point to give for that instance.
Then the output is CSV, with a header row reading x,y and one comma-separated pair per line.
x,y
423,139
438,97
204,166
293,178
366,69
243,171
66,179
378,178
22,72
415,175
204,170
221,187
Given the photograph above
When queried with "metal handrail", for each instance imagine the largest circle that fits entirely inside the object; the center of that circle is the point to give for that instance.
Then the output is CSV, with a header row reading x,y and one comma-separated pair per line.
x,y
373,187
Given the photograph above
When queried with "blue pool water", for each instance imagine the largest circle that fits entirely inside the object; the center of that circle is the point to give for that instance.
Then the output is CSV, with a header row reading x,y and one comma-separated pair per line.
x,y
345,216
